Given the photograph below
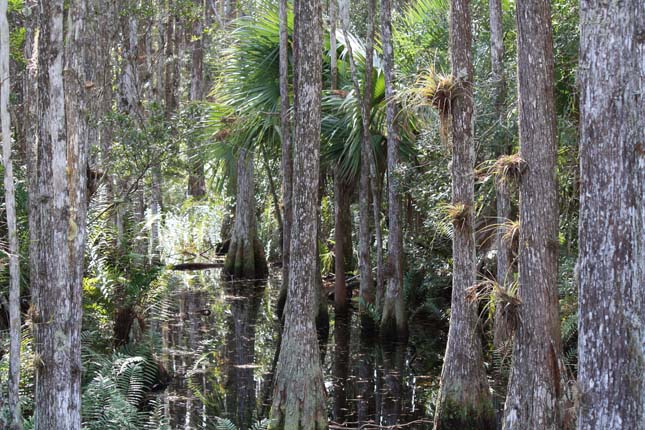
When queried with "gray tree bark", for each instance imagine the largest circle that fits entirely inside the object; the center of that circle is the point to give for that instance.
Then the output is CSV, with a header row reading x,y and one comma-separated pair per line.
x,y
245,258
394,324
502,187
342,241
196,180
464,397
76,94
59,212
299,396
287,156
171,78
10,209
534,388
333,43
342,194
367,179
611,326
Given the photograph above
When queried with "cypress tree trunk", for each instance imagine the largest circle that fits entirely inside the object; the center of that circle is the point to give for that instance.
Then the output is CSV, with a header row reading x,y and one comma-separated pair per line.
x,y
342,194
366,184
10,208
612,199
196,181
76,94
464,398
171,80
502,189
394,324
59,217
333,44
534,387
287,156
343,241
245,258
298,395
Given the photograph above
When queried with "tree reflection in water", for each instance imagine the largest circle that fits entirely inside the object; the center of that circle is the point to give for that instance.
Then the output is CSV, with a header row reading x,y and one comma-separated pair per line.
x,y
219,342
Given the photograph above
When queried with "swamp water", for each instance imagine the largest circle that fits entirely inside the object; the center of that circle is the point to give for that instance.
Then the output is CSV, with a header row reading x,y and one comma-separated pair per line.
x,y
219,345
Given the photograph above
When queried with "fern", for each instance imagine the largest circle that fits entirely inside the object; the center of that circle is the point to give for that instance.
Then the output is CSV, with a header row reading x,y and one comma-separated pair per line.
x,y
113,398
226,424
261,425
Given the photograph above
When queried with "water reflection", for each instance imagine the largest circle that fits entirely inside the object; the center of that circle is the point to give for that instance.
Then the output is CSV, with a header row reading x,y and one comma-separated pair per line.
x,y
219,341
244,299
186,328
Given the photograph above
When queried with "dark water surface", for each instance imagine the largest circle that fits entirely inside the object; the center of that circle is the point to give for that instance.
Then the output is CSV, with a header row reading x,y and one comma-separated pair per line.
x,y
219,343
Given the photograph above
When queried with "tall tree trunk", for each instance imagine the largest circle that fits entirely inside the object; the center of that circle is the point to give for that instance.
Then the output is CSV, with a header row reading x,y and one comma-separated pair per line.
x,y
59,217
274,192
31,125
10,209
534,387
322,313
287,157
76,94
245,258
376,191
612,199
129,100
196,180
502,189
367,293
394,324
171,79
343,241
298,396
501,330
341,203
464,398
333,43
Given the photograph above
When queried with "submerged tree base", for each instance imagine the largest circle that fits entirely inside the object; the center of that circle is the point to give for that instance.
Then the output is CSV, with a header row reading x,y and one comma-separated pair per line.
x,y
394,325
245,260
452,415
298,394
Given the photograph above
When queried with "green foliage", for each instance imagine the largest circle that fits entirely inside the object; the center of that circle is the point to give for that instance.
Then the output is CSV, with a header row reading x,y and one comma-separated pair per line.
x,y
226,424
115,396
421,37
